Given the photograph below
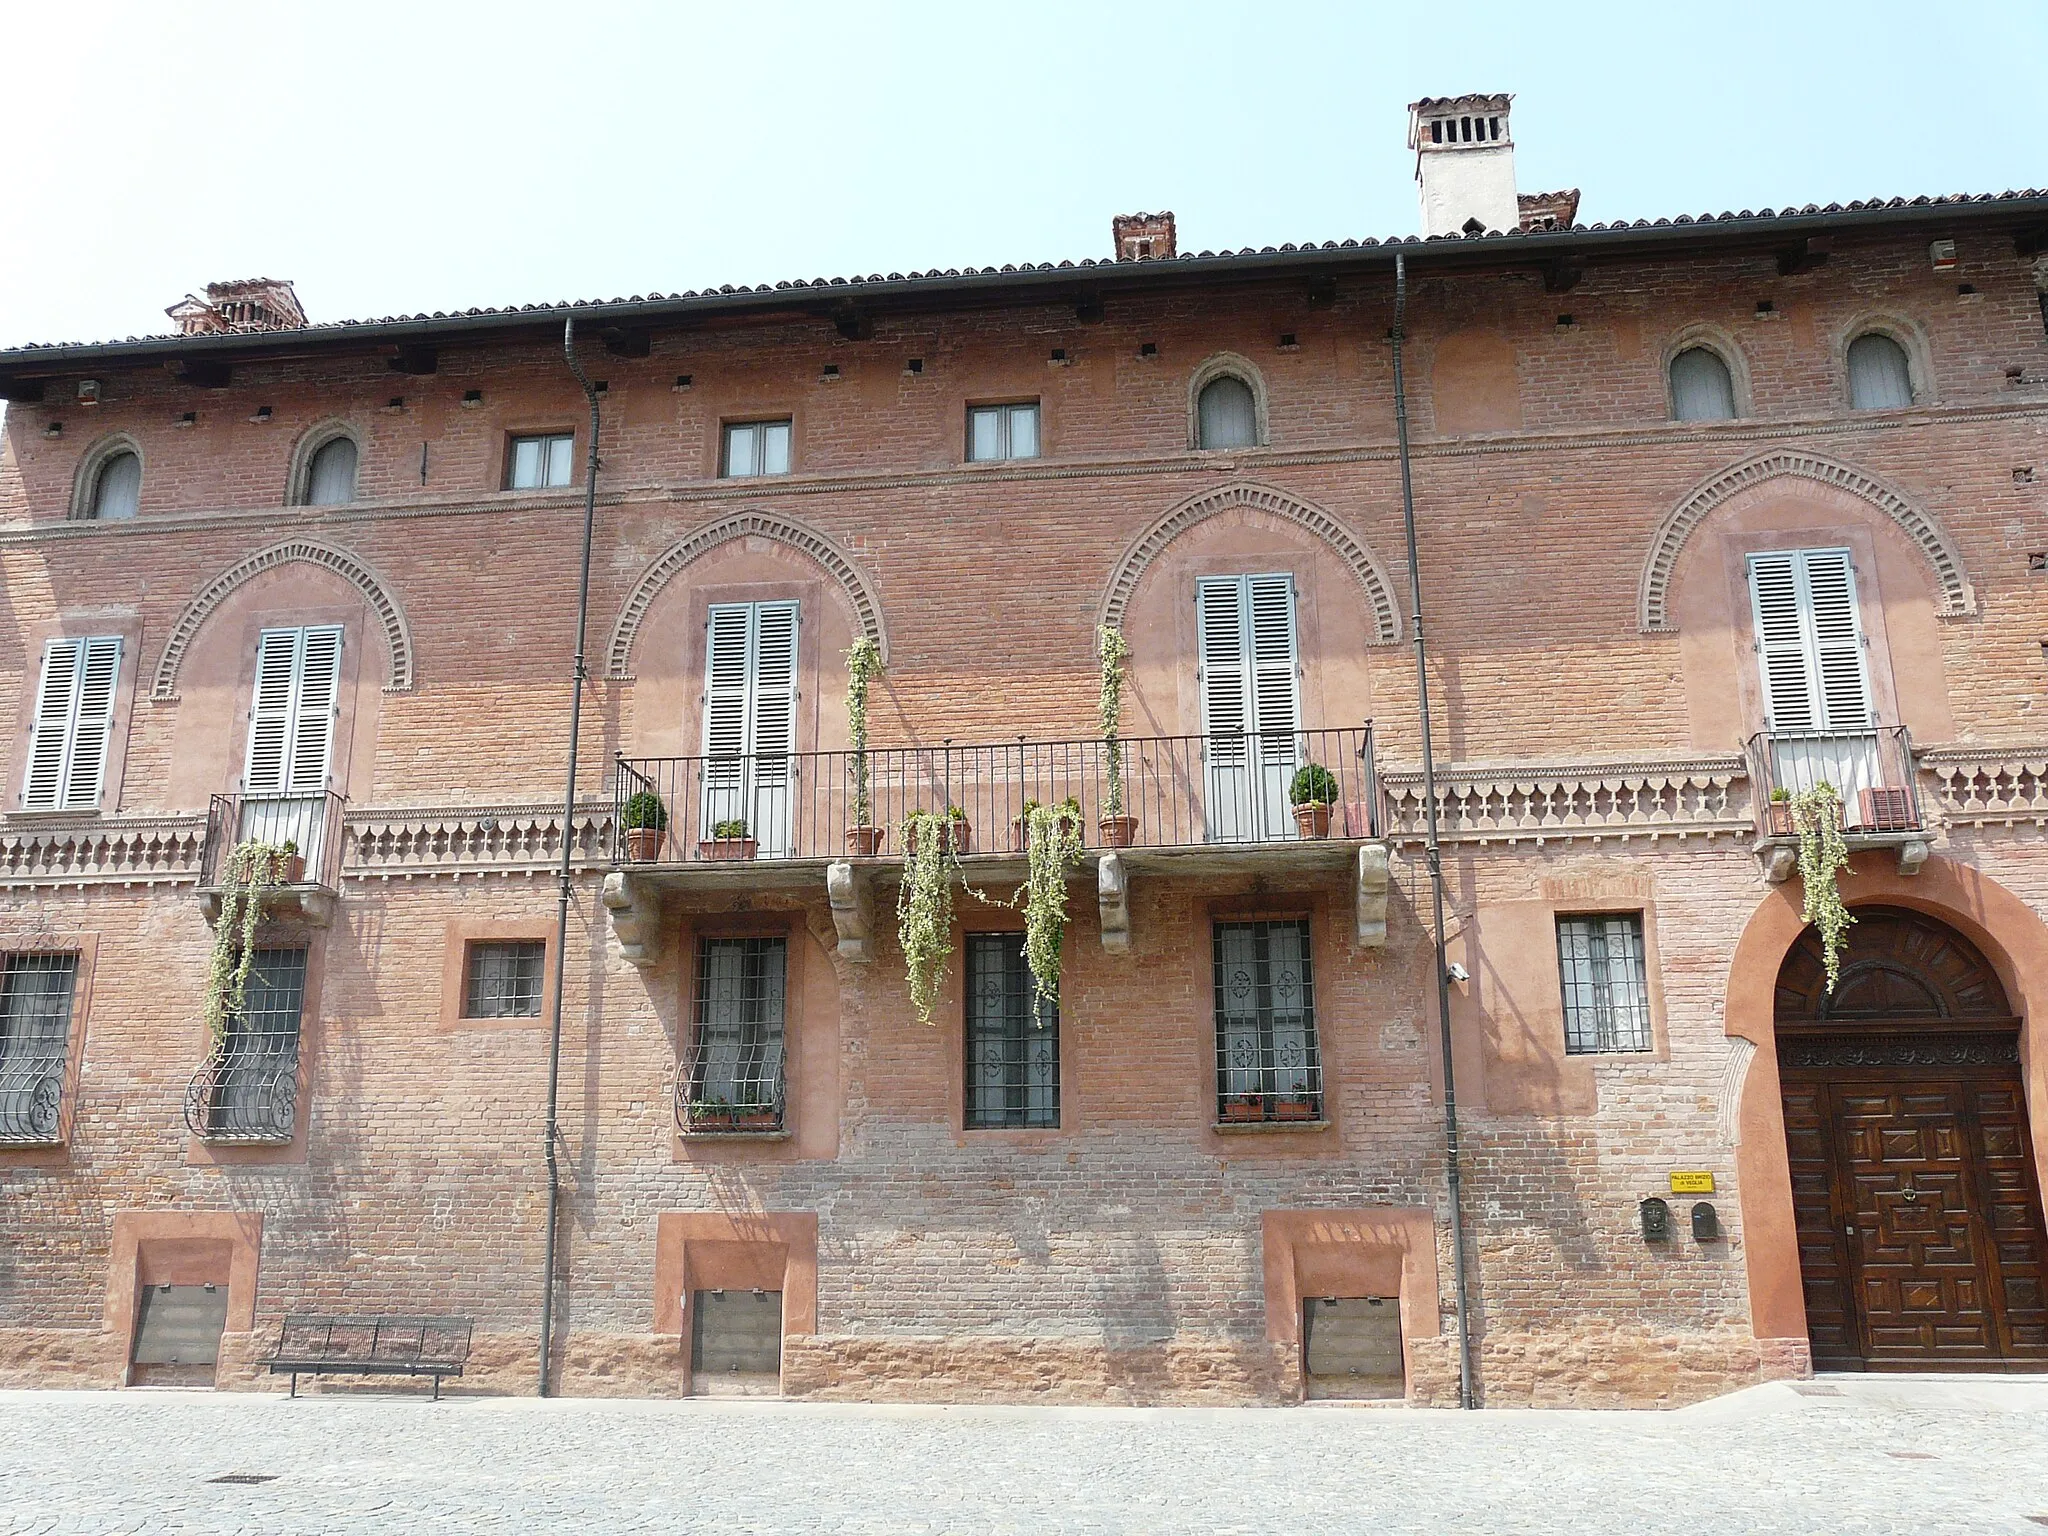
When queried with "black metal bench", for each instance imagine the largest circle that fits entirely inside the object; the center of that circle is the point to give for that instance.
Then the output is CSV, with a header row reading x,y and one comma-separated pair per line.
x,y
371,1346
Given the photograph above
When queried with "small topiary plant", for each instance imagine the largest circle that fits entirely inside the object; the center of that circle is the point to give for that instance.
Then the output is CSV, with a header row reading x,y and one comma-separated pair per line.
x,y
1313,785
645,810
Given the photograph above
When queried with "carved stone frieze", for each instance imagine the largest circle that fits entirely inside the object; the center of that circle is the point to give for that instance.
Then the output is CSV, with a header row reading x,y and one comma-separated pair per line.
x,y
126,851
1538,802
445,840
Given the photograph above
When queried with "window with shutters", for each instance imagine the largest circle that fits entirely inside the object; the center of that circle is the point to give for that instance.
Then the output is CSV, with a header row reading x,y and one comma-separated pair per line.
x,y
117,488
1251,704
249,1088
1606,983
1268,1063
292,718
331,473
74,724
1880,373
540,461
35,1044
1815,672
1226,414
1013,1039
754,448
750,703
1702,388
733,1080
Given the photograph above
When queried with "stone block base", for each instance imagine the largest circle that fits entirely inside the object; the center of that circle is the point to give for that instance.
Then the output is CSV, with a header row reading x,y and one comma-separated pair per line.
x,y
1622,1368
860,1368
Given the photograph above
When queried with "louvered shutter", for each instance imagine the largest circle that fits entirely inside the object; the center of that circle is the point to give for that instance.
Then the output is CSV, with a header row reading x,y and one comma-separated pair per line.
x,y
750,701
1226,690
93,728
1249,687
1275,696
725,679
312,731
774,669
270,715
1789,692
1838,640
1810,641
291,720
50,741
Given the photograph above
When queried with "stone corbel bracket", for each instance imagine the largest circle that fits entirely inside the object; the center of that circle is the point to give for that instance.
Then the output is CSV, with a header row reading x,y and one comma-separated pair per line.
x,y
851,892
636,918
1113,903
1780,860
1370,895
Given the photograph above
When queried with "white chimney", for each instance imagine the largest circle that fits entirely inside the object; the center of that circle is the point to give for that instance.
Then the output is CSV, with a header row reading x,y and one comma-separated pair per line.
x,y
1464,164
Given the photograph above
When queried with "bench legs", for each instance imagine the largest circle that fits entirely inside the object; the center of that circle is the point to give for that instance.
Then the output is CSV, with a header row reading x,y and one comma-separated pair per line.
x,y
295,1383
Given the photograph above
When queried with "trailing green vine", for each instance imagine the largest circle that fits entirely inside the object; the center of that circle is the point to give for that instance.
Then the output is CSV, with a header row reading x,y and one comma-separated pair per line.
x,y
249,870
1052,845
863,666
1110,648
1823,855
924,907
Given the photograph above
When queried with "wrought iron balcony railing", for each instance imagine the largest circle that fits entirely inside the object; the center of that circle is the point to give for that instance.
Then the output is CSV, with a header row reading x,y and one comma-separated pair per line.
x,y
1873,772
310,823
728,1083
1137,792
32,1095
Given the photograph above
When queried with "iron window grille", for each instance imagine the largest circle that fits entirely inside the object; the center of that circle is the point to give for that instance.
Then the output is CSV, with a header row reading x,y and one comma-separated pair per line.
x,y
504,980
538,463
249,1088
732,1079
1002,432
754,448
35,1044
1013,1039
1606,986
1268,1064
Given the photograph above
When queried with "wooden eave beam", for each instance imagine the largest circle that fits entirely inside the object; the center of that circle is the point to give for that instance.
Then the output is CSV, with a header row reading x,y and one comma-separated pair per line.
x,y
1804,256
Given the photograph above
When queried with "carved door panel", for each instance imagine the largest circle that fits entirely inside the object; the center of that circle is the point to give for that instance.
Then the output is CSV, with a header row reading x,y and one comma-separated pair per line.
x,y
1824,1264
2014,1239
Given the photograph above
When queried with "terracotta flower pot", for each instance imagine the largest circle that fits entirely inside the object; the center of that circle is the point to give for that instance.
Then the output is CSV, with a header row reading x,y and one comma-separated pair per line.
x,y
643,844
294,872
1295,1109
864,842
1244,1106
710,1117
1118,831
1778,819
757,1120
727,848
1312,820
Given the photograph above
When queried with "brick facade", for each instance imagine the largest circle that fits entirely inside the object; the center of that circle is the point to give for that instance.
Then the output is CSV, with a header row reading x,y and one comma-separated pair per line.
x,y
1131,1255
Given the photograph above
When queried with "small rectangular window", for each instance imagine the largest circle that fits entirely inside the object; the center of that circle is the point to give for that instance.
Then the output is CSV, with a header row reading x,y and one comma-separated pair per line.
x,y
1003,431
541,461
754,448
252,1079
35,1044
1013,1039
1268,1064
733,1080
1606,987
504,980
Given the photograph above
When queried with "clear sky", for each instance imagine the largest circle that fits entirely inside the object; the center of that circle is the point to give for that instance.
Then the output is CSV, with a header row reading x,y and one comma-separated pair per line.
x,y
393,158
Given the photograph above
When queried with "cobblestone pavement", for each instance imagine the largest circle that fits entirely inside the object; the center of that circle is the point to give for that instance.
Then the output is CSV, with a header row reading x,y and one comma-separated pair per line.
x,y
1844,1455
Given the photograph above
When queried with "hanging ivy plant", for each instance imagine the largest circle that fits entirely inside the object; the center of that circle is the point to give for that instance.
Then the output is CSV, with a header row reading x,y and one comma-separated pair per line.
x,y
1052,846
1110,647
250,869
1823,855
863,666
924,908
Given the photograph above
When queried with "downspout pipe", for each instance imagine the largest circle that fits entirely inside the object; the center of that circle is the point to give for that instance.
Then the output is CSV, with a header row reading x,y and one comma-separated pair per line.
x,y
563,887
1434,849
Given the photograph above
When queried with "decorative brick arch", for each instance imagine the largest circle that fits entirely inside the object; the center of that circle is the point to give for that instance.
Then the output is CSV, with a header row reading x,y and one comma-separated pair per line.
x,y
1386,619
397,634
766,525
1653,611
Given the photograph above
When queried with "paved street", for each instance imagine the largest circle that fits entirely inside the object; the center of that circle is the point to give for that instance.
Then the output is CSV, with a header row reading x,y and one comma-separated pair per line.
x,y
1924,1456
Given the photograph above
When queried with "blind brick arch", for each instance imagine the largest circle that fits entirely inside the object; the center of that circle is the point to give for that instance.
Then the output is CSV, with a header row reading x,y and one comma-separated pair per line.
x,y
1384,624
390,616
1955,598
782,530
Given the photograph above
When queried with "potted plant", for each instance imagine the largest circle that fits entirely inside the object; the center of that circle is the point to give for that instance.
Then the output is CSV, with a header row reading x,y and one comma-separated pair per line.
x,y
1299,1105
710,1114
863,665
1779,814
757,1117
1118,830
646,822
294,871
1068,813
1053,845
1244,1106
924,910
728,840
1817,813
1312,793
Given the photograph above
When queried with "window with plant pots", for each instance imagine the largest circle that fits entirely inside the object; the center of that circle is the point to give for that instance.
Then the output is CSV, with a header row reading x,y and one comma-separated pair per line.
x,y
732,1079
1269,1066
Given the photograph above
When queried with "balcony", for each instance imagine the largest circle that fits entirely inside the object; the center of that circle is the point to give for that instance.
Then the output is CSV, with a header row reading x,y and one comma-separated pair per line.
x,y
309,823
1872,770
1158,805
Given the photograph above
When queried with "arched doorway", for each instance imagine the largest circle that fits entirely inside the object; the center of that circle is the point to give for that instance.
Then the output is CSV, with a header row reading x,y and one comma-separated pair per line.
x,y
1921,1242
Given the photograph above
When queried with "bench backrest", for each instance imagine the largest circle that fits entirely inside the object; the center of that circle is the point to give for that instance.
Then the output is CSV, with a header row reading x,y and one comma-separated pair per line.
x,y
428,1340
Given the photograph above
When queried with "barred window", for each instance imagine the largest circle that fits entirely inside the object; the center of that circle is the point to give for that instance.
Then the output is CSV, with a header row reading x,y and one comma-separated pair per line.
x,y
1013,1039
252,1083
734,1078
1606,990
1268,1066
35,1043
504,980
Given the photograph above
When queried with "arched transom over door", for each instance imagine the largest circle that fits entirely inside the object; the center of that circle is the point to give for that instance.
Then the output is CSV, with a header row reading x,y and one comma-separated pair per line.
x,y
1921,1240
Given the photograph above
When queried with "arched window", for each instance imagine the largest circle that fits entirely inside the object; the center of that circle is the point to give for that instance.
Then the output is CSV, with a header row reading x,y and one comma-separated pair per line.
x,y
1226,414
116,487
1880,378
331,474
1701,387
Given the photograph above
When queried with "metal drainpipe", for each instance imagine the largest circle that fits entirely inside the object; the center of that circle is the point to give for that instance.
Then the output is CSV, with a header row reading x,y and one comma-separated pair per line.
x,y
547,1294
1435,853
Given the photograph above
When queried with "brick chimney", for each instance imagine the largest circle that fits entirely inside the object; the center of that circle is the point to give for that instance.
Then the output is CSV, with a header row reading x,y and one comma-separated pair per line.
x,y
1548,210
245,304
1464,164
1143,236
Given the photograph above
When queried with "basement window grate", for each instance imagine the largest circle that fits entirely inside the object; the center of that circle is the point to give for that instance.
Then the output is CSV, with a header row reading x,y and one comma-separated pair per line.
x,y
244,1479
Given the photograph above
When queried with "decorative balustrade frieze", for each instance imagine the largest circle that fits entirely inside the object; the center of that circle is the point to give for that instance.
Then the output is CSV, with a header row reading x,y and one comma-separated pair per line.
x,y
1540,802
457,840
152,850
1989,785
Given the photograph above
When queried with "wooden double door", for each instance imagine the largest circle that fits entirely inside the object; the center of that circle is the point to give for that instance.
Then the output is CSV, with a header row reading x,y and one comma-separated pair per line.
x,y
1921,1236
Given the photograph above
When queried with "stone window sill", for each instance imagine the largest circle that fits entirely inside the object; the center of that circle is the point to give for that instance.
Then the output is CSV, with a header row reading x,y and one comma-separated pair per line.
x,y
1266,1127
